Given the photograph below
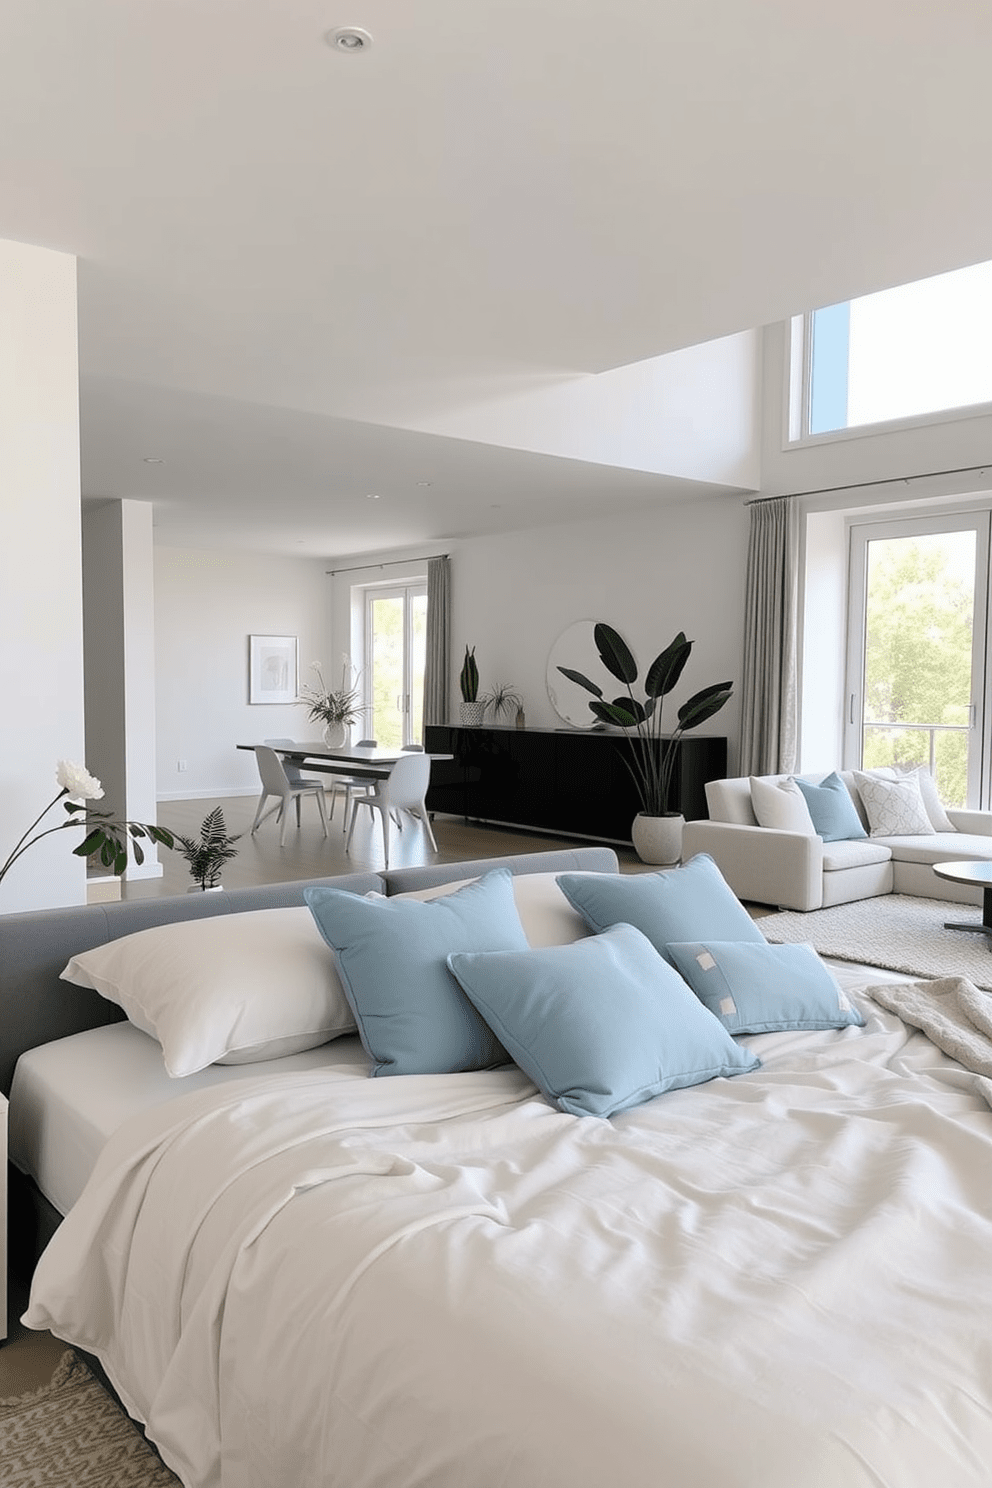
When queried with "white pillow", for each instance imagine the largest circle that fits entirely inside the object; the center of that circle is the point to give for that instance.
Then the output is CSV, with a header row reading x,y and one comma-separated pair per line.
x,y
780,804
894,807
228,989
932,804
546,915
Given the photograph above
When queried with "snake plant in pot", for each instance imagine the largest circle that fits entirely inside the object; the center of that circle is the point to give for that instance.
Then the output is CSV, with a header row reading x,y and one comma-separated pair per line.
x,y
473,711
657,829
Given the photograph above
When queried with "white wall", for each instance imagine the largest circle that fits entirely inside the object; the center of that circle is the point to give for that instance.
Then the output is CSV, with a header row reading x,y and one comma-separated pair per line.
x,y
650,575
41,662
206,606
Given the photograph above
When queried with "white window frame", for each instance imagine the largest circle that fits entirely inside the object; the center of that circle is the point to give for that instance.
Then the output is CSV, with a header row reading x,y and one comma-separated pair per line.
x,y
860,534
407,590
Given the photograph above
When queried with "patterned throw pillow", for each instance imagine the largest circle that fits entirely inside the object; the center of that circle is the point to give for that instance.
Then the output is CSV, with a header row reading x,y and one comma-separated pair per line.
x,y
894,807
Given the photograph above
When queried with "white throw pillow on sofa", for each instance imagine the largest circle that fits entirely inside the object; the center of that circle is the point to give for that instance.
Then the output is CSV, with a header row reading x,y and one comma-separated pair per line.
x,y
781,805
895,807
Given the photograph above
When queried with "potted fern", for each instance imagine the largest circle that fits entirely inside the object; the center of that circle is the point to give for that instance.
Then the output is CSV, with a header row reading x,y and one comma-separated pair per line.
x,y
473,711
207,854
657,829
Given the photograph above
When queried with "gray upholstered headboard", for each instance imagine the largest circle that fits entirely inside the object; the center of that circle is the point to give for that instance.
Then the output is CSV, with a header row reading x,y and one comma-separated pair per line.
x,y
36,1007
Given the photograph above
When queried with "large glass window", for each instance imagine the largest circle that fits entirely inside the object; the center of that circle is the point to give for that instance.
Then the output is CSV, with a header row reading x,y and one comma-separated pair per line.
x,y
917,659
916,350
396,652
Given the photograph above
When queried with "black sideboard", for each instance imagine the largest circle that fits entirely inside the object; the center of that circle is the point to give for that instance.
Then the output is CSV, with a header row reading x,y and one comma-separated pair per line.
x,y
558,780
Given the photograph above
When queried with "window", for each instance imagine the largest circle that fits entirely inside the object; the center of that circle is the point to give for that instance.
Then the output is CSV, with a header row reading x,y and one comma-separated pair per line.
x,y
395,655
917,656
911,352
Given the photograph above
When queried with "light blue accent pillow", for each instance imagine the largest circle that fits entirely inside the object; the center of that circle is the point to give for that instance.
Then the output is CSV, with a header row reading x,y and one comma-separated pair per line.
x,y
835,817
599,1025
391,955
688,903
764,988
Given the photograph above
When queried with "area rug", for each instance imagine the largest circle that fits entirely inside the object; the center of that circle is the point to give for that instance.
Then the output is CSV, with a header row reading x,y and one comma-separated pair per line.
x,y
71,1434
895,931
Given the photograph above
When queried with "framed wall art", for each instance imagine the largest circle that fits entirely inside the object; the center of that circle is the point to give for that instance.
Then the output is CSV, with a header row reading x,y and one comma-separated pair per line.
x,y
272,669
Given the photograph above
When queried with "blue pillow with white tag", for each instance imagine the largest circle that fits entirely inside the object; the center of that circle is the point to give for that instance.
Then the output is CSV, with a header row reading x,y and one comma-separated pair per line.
x,y
764,988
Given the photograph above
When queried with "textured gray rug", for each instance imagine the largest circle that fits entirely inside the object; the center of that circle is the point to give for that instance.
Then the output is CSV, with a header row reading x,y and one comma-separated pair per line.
x,y
71,1434
895,931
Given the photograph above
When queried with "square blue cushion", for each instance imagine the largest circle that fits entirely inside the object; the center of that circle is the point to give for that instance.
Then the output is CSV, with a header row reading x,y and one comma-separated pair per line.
x,y
391,954
694,902
764,988
835,817
599,1025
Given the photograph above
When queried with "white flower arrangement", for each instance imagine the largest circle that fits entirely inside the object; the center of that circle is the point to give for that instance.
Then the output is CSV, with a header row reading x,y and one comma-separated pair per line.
x,y
110,838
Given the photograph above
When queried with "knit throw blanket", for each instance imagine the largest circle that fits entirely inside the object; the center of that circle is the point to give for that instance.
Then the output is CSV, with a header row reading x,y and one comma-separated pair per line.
x,y
953,1013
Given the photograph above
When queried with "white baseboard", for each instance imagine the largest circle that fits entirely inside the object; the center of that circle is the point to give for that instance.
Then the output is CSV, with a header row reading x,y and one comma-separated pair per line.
x,y
209,795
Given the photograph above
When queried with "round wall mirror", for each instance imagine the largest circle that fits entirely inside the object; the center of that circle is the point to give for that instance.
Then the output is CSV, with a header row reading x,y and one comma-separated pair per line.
x,y
574,648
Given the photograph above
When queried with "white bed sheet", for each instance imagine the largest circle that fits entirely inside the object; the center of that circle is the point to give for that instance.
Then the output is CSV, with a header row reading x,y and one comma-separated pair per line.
x,y
69,1096
441,1282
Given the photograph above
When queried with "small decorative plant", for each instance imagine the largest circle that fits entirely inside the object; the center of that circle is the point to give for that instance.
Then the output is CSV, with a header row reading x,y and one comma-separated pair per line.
x,y
105,836
501,700
335,706
652,756
207,854
468,680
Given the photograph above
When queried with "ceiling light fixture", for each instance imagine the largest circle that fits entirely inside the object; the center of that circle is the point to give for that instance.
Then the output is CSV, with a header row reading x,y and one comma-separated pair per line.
x,y
372,496
350,39
153,460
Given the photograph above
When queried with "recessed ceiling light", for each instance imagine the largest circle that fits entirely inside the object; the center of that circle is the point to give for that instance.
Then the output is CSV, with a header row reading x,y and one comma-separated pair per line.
x,y
372,496
350,39
423,483
153,460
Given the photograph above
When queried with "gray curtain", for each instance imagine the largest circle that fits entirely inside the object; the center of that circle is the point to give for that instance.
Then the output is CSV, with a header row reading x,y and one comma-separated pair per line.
x,y
438,628
768,687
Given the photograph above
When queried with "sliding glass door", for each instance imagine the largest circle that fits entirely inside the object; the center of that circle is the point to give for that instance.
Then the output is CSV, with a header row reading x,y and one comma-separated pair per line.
x,y
395,653
917,661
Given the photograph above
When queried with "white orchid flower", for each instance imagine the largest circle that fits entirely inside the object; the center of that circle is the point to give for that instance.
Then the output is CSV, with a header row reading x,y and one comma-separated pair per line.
x,y
77,781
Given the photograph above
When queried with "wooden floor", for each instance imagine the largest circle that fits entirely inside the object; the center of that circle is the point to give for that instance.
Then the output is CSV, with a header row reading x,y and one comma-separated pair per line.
x,y
308,854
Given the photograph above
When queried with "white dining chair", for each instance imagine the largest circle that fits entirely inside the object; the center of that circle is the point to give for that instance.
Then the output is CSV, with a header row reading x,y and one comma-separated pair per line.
x,y
276,783
351,786
403,789
294,774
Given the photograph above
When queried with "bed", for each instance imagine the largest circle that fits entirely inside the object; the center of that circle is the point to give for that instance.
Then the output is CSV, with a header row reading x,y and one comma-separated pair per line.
x,y
294,1273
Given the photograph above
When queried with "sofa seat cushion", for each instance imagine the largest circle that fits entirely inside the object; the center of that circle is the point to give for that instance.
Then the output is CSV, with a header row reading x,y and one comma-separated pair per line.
x,y
856,853
941,847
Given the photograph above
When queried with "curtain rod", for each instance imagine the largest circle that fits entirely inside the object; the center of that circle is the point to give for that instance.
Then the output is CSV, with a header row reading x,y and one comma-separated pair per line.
x,y
892,480
389,563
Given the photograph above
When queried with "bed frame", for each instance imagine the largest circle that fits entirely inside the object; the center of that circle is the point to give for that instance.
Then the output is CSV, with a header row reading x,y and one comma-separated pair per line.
x,y
36,1007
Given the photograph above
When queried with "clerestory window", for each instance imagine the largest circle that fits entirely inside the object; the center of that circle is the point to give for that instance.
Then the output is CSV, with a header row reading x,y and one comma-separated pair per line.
x,y
914,352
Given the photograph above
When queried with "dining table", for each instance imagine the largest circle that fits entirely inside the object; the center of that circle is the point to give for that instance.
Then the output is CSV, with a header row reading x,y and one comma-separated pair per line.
x,y
367,762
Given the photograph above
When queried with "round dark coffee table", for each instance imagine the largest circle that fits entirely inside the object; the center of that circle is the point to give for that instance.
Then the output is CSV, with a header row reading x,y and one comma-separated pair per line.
x,y
979,874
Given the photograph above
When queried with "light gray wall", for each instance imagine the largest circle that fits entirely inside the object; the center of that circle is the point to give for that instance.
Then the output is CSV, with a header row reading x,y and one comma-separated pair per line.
x,y
206,606
650,575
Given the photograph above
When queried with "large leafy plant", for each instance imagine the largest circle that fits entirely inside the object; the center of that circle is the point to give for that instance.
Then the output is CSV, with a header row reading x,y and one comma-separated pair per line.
x,y
653,755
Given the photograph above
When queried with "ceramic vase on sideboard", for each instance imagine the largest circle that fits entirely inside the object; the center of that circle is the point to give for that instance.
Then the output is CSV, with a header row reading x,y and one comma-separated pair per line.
x,y
334,735
658,839
473,714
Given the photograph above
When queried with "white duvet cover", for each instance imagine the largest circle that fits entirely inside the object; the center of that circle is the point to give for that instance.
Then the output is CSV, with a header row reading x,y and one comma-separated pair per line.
x,y
782,1280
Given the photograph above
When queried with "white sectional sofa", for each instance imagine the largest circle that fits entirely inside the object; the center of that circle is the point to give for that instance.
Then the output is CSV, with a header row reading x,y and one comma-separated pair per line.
x,y
799,870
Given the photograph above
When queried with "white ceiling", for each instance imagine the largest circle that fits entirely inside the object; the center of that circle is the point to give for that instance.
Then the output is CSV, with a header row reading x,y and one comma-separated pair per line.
x,y
290,260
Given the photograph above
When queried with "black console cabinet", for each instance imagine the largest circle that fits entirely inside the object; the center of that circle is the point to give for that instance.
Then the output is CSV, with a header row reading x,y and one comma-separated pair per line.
x,y
558,780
